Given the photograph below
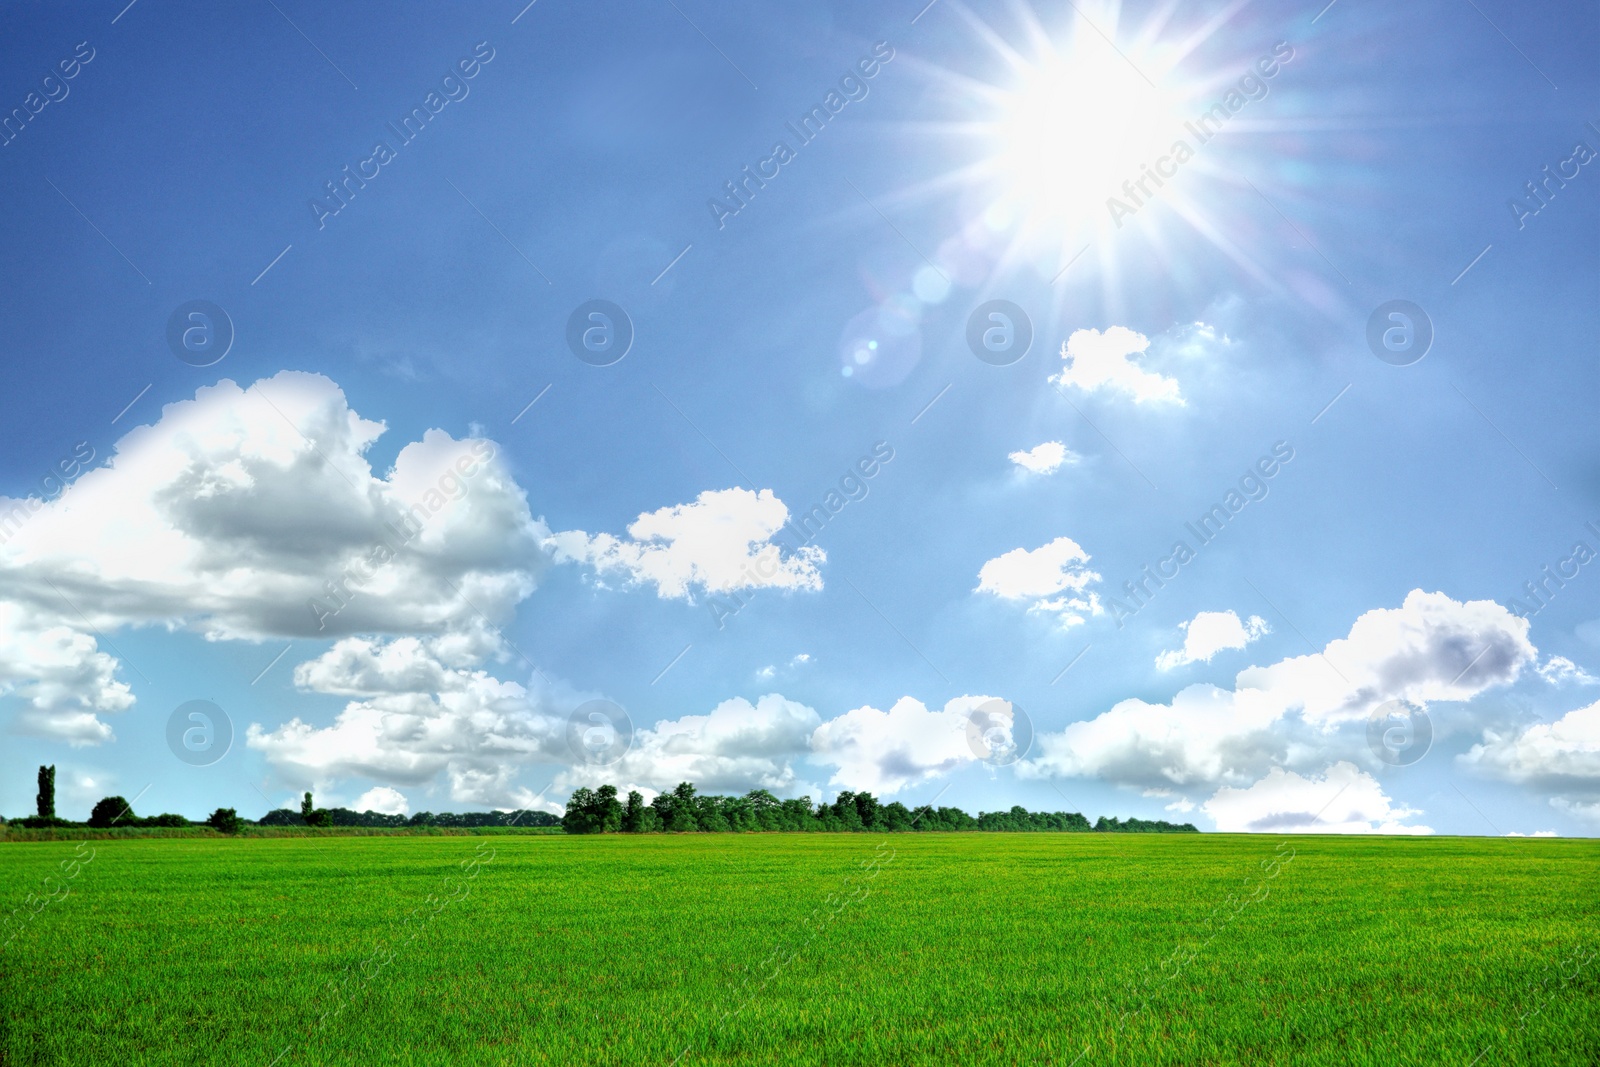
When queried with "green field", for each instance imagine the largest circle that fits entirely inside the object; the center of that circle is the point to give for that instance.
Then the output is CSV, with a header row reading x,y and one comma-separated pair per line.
x,y
814,949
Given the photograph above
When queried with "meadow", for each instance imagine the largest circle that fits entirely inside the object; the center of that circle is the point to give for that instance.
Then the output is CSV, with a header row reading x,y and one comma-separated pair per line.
x,y
665,950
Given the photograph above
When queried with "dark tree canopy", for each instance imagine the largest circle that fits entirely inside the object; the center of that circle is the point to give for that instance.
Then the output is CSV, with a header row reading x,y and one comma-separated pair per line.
x,y
683,810
46,799
111,811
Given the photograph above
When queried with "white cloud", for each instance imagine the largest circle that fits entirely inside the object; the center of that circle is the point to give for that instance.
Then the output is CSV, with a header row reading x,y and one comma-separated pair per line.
x,y
1204,735
737,747
886,752
1345,800
1536,833
770,671
1559,669
1044,459
1562,756
361,666
1096,360
63,677
1056,567
1431,648
1194,340
235,515
423,710
1182,804
383,800
1210,632
1589,809
722,542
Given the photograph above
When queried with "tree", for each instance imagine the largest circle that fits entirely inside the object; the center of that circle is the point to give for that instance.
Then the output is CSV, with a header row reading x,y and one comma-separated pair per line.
x,y
708,815
579,818
896,817
638,817
845,811
766,809
797,814
46,799
314,816
740,815
682,819
108,811
607,811
224,820
867,809
662,805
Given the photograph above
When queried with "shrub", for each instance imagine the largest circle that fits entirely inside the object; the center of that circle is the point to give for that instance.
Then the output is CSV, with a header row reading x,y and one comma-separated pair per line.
x,y
110,811
166,818
224,820
281,817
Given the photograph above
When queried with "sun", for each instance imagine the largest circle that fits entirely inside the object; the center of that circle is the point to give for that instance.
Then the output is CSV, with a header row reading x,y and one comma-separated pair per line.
x,y
1081,146
1077,127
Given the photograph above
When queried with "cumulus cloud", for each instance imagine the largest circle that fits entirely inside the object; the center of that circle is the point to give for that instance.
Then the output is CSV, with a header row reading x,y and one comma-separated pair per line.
x,y
1096,360
65,681
1058,567
736,747
1431,648
384,800
1344,800
888,751
1044,459
364,666
1559,670
424,709
721,542
247,513
1210,632
1204,735
1560,757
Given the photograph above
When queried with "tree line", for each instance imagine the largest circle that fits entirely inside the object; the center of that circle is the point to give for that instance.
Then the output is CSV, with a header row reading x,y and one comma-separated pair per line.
x,y
115,812
599,811
683,810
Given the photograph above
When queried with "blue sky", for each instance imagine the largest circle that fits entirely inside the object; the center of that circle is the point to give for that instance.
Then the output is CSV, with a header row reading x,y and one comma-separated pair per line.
x,y
1225,317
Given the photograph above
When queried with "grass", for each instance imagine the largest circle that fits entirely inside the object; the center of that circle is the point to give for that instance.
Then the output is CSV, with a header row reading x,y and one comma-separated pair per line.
x,y
960,948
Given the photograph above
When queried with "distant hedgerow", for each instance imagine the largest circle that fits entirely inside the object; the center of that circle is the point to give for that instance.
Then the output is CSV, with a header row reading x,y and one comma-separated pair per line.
x,y
592,811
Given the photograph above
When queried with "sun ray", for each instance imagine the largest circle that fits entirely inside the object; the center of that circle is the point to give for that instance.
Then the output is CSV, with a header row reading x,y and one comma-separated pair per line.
x,y
1080,138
